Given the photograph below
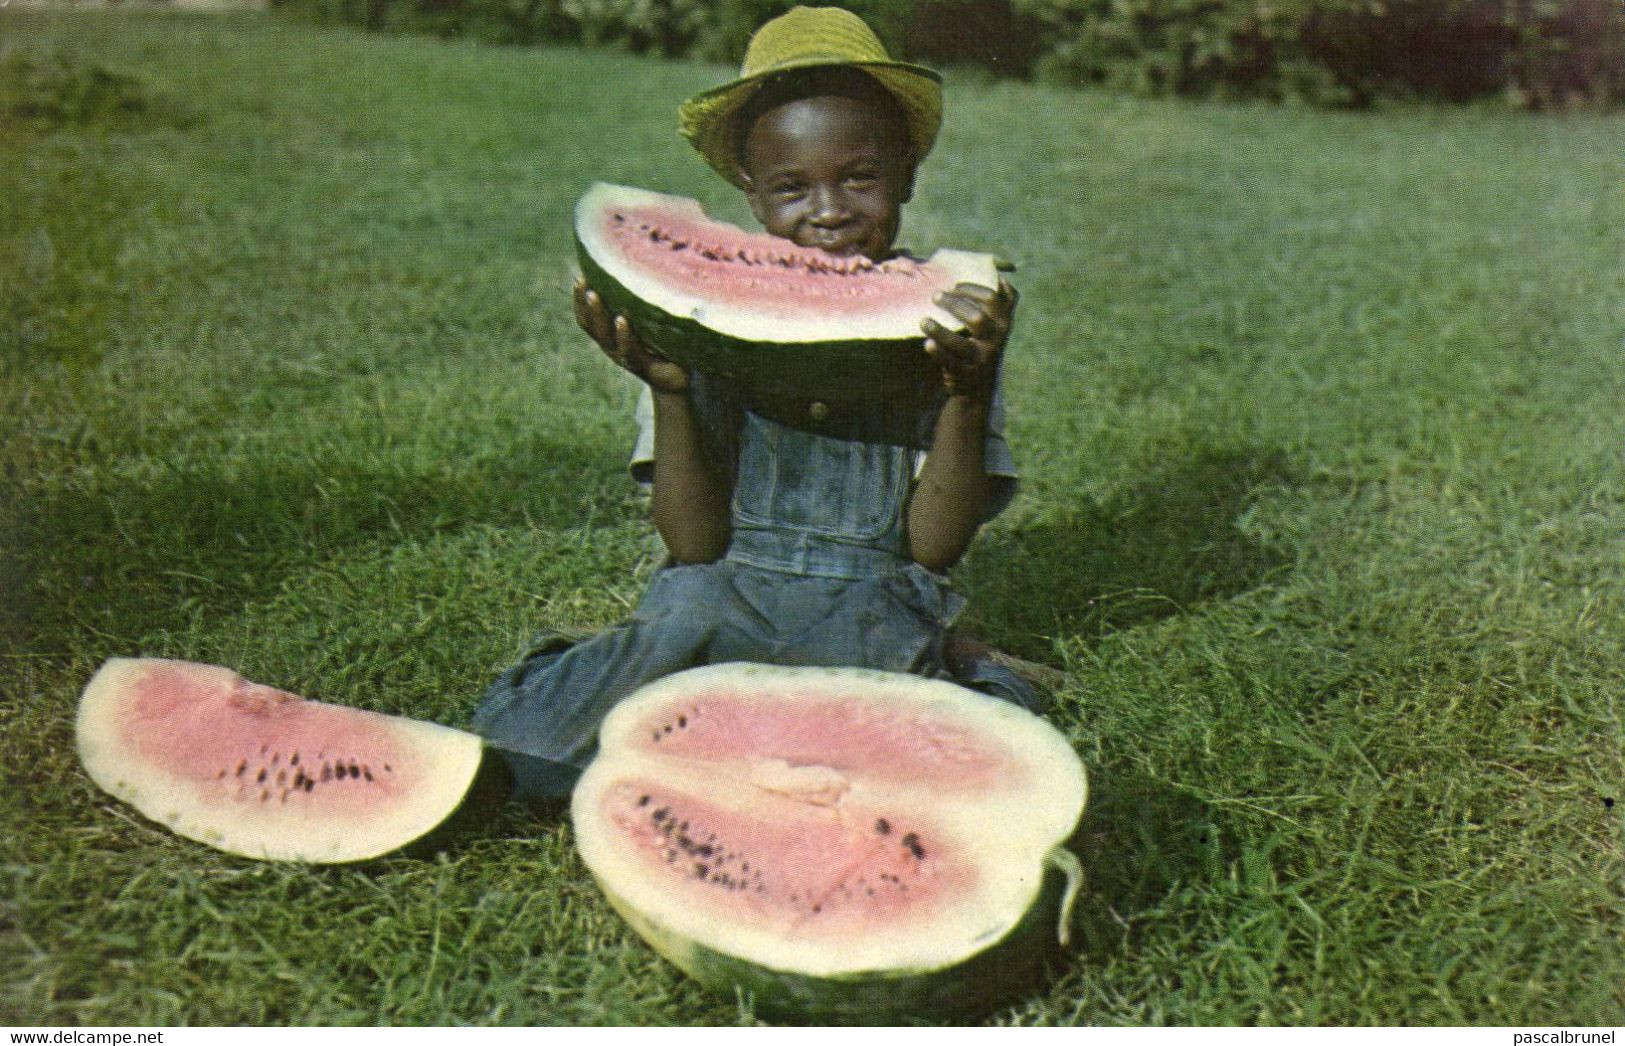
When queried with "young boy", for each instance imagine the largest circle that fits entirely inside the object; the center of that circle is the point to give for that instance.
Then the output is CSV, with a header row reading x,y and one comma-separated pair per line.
x,y
806,543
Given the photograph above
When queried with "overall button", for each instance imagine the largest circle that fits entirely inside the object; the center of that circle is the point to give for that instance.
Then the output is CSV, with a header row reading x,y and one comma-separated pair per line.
x,y
818,410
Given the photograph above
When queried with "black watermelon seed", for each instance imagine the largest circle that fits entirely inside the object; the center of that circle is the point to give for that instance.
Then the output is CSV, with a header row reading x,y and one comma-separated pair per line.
x,y
883,826
221,774
295,760
657,735
264,795
700,870
339,771
241,767
682,721
355,771
310,784
276,757
327,772
388,769
367,771
261,778
644,801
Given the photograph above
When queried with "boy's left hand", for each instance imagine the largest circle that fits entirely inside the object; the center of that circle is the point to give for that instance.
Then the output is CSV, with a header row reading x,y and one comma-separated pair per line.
x,y
970,358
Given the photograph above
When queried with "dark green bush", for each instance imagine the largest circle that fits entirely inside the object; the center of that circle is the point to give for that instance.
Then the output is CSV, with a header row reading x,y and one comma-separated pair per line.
x,y
1345,52
1348,51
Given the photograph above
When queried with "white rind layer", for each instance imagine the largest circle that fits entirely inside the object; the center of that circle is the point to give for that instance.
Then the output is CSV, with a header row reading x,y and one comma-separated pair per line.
x,y
1008,833
444,761
753,324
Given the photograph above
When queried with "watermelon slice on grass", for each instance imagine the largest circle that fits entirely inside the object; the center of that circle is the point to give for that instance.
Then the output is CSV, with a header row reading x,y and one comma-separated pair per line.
x,y
263,773
836,844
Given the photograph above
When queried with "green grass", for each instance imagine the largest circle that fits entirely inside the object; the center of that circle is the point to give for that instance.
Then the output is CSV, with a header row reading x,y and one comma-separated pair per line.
x,y
1322,516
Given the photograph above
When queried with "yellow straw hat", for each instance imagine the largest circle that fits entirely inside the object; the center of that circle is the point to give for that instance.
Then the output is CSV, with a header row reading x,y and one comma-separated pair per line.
x,y
802,38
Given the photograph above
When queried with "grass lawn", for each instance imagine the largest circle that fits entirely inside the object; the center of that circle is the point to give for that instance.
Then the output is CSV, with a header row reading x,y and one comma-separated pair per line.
x,y
1319,416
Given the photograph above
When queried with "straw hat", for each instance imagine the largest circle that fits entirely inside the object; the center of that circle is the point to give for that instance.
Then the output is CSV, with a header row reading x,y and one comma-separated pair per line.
x,y
802,38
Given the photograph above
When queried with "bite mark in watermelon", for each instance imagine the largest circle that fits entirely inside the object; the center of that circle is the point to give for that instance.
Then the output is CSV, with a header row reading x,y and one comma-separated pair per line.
x,y
777,318
836,843
263,773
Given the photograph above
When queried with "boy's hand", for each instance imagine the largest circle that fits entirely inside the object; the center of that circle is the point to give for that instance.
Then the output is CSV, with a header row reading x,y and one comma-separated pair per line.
x,y
615,336
970,358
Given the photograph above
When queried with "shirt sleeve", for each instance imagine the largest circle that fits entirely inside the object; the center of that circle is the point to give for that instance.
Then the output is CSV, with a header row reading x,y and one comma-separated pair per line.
x,y
642,465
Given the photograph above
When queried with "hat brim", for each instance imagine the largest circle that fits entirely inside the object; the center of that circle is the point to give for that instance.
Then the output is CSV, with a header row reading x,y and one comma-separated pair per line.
x,y
707,119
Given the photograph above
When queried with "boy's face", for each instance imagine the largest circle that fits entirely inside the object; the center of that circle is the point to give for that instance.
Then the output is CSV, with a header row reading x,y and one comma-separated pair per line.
x,y
828,172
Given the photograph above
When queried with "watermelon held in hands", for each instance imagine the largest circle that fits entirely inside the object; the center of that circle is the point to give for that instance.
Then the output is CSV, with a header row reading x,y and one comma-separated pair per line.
x,y
778,319
835,844
263,773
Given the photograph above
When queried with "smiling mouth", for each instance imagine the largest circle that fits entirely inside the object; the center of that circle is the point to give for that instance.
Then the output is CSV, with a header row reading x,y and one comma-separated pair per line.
x,y
840,247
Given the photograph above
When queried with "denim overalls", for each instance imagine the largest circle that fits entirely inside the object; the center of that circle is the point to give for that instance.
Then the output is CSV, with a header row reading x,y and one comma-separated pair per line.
x,y
816,574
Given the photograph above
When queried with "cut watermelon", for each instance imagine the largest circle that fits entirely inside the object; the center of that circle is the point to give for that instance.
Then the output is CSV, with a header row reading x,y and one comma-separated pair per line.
x,y
263,773
776,318
836,843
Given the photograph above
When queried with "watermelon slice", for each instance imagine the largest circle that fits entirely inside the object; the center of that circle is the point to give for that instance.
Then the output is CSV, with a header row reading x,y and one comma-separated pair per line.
x,y
776,318
836,843
263,773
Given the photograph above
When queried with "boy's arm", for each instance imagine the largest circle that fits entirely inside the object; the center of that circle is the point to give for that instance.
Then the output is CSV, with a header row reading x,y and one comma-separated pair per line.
x,y
689,499
690,495
951,494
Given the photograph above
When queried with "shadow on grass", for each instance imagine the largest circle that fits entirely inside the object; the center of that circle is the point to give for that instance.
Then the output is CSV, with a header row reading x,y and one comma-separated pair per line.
x,y
1151,551
122,556
1139,841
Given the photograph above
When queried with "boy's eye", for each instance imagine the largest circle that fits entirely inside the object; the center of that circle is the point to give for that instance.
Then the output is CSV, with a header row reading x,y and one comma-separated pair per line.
x,y
860,179
788,190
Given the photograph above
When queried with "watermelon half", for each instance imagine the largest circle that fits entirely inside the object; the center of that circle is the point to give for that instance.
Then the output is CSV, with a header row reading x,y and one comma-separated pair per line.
x,y
778,319
262,773
835,844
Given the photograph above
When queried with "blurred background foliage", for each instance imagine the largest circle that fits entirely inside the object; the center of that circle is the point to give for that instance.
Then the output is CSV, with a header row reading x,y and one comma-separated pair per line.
x,y
1537,54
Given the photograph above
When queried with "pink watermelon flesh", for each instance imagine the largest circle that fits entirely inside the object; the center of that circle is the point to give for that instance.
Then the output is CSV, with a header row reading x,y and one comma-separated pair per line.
x,y
763,272
265,773
809,727
869,874
284,746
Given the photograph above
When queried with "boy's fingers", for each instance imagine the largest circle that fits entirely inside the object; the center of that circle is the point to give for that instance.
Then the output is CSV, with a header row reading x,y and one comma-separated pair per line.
x,y
973,314
590,314
976,292
951,350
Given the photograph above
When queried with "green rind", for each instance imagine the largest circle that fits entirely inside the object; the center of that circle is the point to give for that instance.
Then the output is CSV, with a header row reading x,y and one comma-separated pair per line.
x,y
856,371
979,983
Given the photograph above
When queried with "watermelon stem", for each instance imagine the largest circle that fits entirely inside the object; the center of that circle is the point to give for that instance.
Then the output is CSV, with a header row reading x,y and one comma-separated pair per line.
x,y
1066,862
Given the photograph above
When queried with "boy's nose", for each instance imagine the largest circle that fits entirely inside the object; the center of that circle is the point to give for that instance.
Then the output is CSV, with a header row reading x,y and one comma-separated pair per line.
x,y
827,208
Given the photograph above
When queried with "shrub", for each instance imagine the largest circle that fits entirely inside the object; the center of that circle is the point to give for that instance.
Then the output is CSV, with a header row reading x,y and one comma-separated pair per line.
x,y
1345,52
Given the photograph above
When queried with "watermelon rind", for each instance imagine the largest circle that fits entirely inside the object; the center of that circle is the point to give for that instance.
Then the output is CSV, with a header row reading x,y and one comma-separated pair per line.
x,y
990,941
849,359
116,743
967,988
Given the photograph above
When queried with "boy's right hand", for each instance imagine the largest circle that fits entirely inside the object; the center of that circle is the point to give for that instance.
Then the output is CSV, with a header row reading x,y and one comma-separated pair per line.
x,y
615,336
